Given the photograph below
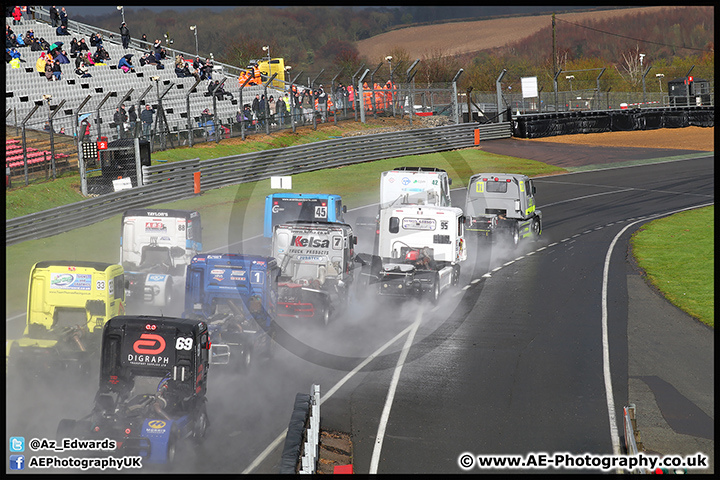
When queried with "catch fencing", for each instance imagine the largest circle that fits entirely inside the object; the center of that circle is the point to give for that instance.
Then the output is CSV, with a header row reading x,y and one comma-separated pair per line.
x,y
175,181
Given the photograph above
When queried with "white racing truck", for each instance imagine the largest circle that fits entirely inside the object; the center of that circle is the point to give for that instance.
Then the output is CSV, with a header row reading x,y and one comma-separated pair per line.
x,y
406,186
502,205
316,260
156,245
421,248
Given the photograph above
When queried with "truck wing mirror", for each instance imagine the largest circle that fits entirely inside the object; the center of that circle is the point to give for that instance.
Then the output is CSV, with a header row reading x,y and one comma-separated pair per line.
x,y
344,209
219,354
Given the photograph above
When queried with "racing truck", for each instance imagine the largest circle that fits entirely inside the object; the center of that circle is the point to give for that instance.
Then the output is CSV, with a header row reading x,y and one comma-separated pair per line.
x,y
156,245
502,205
237,296
68,304
153,382
316,263
406,186
289,207
421,248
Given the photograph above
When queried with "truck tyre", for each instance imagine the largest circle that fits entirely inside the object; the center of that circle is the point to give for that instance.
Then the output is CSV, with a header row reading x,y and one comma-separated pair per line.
x,y
168,292
325,316
201,425
455,275
172,445
246,359
535,228
436,290
514,235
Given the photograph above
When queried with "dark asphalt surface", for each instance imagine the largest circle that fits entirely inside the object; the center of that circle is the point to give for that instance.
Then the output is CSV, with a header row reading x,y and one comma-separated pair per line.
x,y
662,359
664,366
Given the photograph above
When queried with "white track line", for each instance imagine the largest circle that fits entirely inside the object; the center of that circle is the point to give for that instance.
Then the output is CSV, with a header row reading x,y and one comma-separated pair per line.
x,y
274,444
609,398
380,437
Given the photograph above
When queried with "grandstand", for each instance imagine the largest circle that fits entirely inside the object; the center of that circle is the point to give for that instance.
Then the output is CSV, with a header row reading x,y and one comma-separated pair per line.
x,y
25,88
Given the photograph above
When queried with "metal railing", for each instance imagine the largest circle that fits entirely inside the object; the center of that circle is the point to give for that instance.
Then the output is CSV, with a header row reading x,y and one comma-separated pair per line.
x,y
174,181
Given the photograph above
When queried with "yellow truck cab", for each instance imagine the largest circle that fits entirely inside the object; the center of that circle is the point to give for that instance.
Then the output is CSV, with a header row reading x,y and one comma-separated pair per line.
x,y
69,302
274,65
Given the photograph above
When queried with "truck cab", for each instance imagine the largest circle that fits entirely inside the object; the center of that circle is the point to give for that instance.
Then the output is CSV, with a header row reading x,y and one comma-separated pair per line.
x,y
316,263
68,304
156,245
311,207
502,203
237,296
421,249
415,186
152,387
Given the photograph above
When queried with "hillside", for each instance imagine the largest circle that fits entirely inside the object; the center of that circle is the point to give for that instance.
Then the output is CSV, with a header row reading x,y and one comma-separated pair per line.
x,y
468,37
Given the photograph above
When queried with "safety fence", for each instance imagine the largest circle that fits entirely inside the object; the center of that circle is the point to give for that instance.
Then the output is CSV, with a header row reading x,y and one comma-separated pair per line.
x,y
300,452
175,181
566,123
633,446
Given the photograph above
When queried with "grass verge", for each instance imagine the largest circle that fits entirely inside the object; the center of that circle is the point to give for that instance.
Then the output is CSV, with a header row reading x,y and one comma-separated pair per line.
x,y
678,256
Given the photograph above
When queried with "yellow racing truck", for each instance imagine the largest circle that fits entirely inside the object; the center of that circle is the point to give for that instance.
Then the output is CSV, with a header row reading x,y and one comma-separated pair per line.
x,y
68,305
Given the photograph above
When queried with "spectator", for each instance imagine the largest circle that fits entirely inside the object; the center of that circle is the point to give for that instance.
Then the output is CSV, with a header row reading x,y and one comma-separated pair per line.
x,y
62,30
119,118
280,110
95,40
296,104
88,59
49,69
62,131
54,16
61,57
101,55
84,129
20,41
40,63
47,127
262,110
82,46
11,41
146,117
307,102
132,120
81,70
340,96
145,59
271,110
73,47
322,103
181,68
125,35
256,107
56,71
35,45
29,35
17,15
125,63
63,18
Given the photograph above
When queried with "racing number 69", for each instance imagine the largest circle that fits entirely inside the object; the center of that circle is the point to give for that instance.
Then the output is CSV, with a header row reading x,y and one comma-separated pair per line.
x,y
183,343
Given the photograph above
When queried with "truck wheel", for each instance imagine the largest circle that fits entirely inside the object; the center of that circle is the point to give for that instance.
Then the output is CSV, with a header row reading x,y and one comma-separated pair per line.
x,y
535,228
514,235
201,425
168,292
455,275
246,360
436,290
325,316
172,445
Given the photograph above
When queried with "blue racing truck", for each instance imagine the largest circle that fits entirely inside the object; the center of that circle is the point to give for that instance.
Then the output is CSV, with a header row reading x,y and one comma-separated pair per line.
x,y
237,296
311,207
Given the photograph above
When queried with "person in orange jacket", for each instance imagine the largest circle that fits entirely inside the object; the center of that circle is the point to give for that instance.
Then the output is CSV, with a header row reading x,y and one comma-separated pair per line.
x,y
367,97
379,97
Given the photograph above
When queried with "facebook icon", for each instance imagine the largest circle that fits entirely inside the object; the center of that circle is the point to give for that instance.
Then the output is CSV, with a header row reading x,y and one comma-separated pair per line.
x,y
17,462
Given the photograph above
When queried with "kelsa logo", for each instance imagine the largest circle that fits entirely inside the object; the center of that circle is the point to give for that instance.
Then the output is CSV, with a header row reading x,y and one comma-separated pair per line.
x,y
312,242
149,344
156,424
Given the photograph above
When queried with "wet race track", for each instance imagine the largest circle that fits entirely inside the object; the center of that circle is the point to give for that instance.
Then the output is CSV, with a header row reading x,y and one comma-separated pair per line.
x,y
510,361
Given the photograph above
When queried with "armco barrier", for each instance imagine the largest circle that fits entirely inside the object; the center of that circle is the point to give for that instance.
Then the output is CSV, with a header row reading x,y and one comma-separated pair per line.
x,y
174,181
594,121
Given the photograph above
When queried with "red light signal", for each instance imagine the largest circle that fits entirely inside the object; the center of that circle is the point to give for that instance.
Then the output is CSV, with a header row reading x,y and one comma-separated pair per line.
x,y
690,79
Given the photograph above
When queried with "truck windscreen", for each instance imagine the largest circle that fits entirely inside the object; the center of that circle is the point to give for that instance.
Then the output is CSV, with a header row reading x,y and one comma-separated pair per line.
x,y
290,210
